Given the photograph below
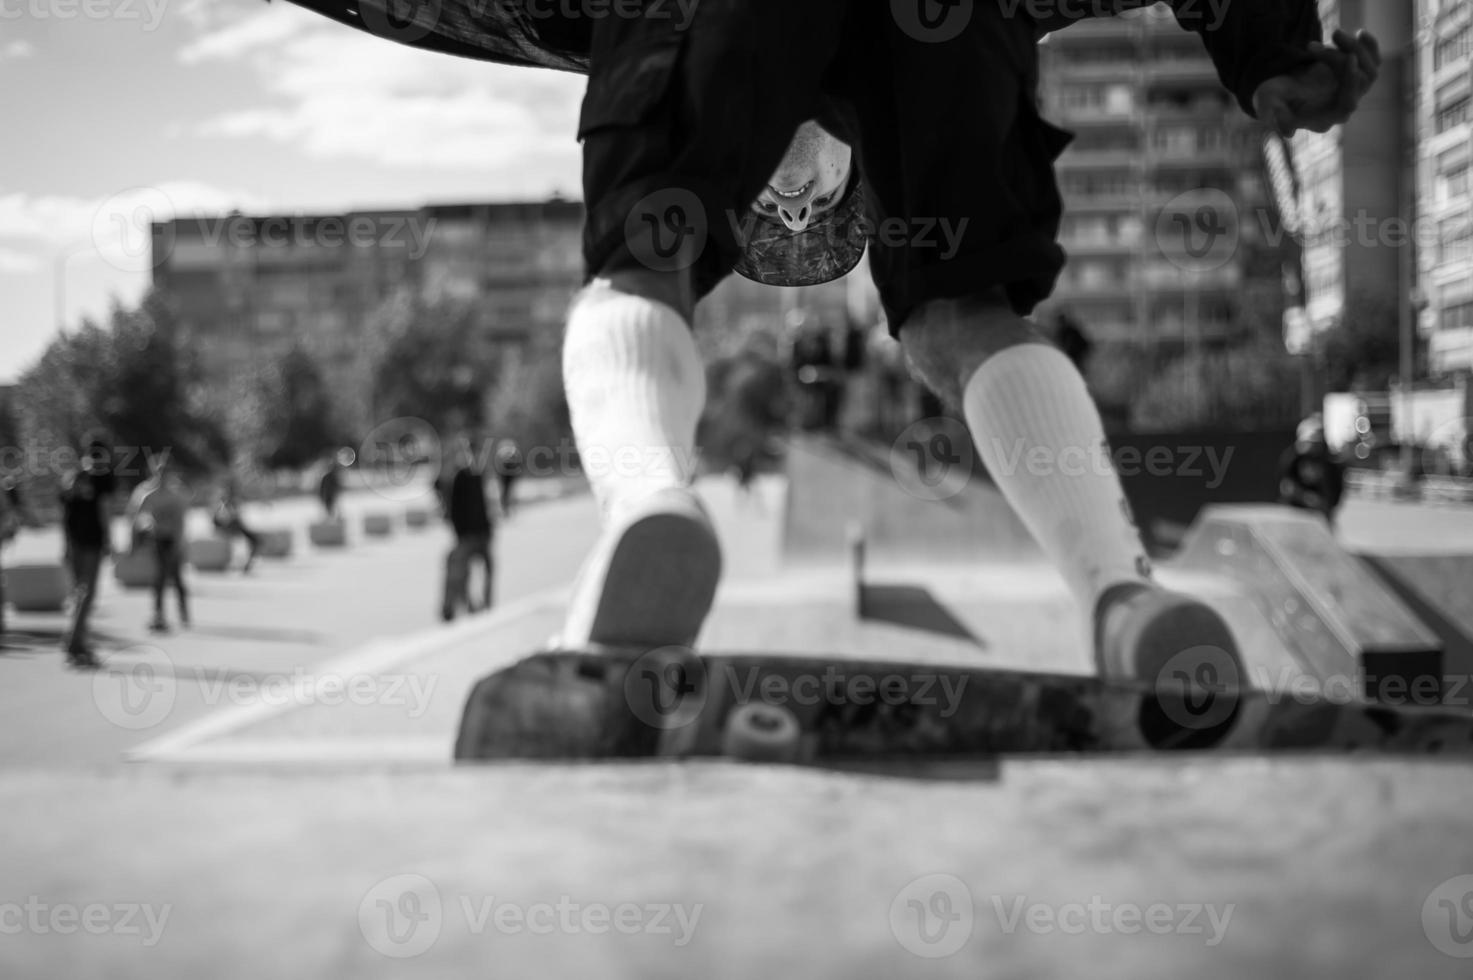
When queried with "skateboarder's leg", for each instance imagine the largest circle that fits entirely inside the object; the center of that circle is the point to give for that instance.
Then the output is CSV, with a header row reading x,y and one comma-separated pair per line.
x,y
682,128
979,167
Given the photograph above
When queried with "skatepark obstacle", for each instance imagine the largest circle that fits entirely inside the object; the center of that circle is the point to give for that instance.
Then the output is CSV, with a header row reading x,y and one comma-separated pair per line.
x,y
38,587
328,534
209,554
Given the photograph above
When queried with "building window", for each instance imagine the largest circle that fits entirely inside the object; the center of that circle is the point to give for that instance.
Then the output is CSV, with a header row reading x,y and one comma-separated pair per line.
x,y
1453,48
1453,114
1458,317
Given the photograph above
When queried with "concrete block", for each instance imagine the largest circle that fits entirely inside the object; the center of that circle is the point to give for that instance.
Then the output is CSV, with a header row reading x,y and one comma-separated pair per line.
x,y
378,525
39,587
417,517
209,554
135,570
275,543
1347,629
328,534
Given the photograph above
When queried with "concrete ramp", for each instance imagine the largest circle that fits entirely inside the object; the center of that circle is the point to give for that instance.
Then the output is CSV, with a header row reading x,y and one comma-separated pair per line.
x,y
834,482
1349,632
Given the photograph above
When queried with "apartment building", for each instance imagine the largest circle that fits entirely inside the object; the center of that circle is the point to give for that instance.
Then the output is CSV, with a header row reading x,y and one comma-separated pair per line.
x,y
1444,119
251,287
1154,130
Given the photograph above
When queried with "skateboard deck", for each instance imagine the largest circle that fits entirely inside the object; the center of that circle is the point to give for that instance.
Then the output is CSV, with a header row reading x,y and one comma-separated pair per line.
x,y
616,703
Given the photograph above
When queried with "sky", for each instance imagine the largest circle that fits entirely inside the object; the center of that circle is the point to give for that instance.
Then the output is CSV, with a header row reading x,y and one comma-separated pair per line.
x,y
115,113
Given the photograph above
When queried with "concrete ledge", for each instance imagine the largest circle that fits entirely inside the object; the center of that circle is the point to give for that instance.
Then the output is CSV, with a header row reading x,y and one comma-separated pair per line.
x,y
1342,623
134,570
378,525
209,554
275,543
328,534
40,587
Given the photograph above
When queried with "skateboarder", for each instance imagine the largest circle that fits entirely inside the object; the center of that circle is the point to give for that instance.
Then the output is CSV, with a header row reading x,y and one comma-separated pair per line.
x,y
773,138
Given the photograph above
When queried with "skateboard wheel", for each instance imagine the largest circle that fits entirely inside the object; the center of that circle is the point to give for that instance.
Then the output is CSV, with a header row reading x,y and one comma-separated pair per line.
x,y
762,733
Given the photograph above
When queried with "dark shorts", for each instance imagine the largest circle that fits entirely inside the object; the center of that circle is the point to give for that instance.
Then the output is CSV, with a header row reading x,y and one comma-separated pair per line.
x,y
684,123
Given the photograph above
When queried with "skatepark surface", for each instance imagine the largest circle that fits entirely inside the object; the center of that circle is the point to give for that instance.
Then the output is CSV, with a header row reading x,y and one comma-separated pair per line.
x,y
331,836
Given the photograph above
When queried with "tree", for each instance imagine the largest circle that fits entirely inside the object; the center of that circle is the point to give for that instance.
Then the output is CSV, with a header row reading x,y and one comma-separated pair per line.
x,y
435,361
288,418
1363,351
138,381
528,403
1254,385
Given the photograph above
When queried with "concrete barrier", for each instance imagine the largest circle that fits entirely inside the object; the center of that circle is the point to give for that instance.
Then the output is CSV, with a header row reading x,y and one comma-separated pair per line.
x,y
378,525
40,587
328,534
275,543
417,517
1343,624
134,570
209,554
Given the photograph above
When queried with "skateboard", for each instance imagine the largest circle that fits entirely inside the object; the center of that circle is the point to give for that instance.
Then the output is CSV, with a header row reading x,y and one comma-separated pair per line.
x,y
806,710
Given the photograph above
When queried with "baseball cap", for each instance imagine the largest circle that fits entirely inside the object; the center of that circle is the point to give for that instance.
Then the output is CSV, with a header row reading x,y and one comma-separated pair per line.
x,y
832,244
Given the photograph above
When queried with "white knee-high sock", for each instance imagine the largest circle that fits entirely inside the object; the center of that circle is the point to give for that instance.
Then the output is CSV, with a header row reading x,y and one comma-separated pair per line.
x,y
635,386
1040,435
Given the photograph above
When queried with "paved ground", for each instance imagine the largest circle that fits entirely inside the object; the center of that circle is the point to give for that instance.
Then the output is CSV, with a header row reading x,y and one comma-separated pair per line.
x,y
253,637
372,857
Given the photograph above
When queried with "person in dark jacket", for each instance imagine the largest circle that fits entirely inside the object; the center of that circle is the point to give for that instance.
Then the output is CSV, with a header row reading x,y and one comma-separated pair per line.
x,y
85,495
466,509
1310,476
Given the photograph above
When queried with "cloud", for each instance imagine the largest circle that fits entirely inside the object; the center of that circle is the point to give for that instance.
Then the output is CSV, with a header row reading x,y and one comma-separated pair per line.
x,y
17,263
16,50
341,94
117,226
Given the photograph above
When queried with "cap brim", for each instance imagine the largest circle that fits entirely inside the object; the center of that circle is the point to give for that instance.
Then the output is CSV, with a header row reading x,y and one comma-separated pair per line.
x,y
828,249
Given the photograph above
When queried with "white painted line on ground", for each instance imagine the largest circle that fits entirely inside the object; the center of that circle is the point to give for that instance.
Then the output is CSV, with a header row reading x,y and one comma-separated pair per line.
x,y
309,751
369,660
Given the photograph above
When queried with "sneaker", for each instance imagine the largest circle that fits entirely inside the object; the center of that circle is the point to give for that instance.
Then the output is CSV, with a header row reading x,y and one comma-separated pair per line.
x,y
158,625
651,578
1183,649
82,660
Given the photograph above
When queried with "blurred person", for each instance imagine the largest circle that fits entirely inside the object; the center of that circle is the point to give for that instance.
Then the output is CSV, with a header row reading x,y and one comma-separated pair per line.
x,y
85,495
509,469
157,511
229,521
1311,477
330,487
1072,340
465,507
10,525
757,138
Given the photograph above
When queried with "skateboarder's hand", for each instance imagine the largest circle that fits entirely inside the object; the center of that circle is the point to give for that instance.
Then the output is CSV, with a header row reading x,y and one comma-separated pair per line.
x,y
1325,94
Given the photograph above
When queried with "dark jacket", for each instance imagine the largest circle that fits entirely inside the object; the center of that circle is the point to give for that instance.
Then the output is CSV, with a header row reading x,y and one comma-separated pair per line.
x,y
1312,479
84,508
1256,39
464,502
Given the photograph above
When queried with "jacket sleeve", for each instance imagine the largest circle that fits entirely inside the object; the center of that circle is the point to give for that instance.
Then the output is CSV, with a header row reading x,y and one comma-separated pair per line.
x,y
1251,41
